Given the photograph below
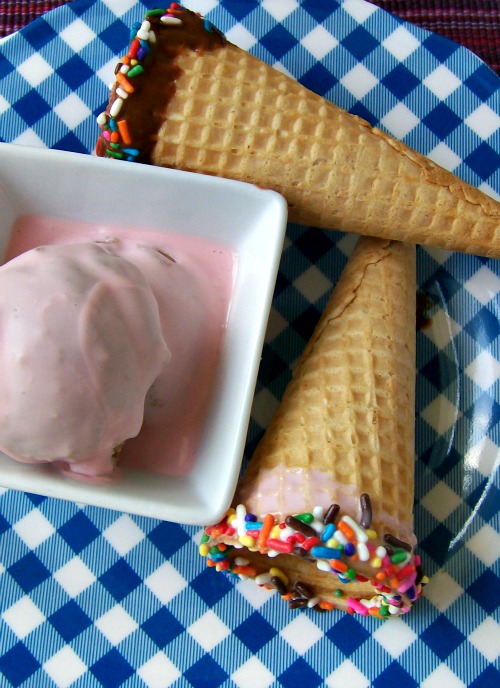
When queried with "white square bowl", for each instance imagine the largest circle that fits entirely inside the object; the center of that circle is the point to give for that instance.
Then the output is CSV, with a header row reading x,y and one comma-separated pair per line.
x,y
249,220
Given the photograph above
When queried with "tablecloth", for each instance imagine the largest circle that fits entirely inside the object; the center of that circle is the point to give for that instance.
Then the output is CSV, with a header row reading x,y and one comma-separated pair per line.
x,y
92,597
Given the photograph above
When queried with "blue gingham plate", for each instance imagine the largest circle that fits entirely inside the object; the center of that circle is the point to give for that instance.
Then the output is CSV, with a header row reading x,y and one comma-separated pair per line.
x,y
92,597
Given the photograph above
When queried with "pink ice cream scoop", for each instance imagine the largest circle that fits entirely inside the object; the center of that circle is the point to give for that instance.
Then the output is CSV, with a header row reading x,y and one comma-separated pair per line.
x,y
81,344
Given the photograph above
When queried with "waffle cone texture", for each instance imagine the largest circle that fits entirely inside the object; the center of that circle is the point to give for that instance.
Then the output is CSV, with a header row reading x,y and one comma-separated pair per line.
x,y
324,510
224,112
345,423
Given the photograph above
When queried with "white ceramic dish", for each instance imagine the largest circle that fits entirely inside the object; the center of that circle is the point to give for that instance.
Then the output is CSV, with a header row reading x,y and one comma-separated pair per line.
x,y
249,220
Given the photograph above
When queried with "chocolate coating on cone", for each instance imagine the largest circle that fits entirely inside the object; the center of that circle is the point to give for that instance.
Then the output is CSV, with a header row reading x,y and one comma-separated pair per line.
x,y
215,109
151,87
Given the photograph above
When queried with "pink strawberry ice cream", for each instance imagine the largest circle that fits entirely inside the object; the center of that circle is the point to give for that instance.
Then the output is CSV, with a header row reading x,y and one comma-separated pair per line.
x,y
81,344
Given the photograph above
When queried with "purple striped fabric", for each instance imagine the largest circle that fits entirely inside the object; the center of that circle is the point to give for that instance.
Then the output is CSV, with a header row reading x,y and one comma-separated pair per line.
x,y
15,15
472,23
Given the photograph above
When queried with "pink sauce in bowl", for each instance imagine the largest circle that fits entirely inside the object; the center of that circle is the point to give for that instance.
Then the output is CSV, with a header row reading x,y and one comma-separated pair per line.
x,y
192,280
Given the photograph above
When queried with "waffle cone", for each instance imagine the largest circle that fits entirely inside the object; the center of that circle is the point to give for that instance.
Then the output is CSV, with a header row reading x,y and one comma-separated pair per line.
x,y
234,116
344,428
204,105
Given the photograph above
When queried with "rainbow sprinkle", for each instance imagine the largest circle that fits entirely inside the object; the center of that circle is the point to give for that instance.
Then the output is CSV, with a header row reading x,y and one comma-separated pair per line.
x,y
116,136
336,542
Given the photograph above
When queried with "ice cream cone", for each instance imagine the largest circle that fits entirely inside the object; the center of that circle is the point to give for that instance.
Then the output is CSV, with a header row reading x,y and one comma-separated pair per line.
x,y
343,435
204,105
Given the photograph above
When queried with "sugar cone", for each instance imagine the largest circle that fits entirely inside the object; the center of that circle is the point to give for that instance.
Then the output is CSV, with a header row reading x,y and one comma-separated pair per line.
x,y
349,409
207,106
343,434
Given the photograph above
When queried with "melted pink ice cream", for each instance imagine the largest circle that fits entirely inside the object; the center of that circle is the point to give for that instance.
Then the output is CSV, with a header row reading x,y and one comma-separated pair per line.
x,y
283,491
191,281
80,346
